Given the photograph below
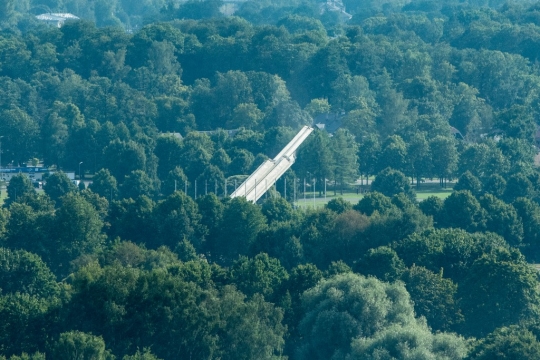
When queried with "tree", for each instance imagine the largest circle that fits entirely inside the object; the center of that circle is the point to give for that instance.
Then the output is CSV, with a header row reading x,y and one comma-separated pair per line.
x,y
512,342
529,213
519,152
212,179
7,8
211,210
444,156
453,250
24,320
383,263
4,219
467,181
277,209
175,180
349,306
339,205
19,186
432,206
434,297
25,356
221,159
517,122
58,185
133,219
76,345
500,290
462,210
317,107
502,219
259,275
345,157
279,241
54,134
374,201
369,150
78,231
519,185
419,156
241,163
315,158
252,329
242,221
482,159
137,183
245,115
177,217
168,151
121,158
20,133
104,184
495,185
413,341
247,329
390,182
141,355
394,154
26,273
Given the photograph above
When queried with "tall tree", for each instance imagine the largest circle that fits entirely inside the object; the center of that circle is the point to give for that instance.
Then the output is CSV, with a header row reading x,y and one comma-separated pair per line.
x,y
369,150
315,159
394,154
78,229
444,156
20,132
500,289
390,182
345,156
58,185
19,186
242,221
419,155
104,184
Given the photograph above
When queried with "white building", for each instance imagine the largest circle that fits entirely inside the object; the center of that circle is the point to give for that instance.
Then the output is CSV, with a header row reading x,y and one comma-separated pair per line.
x,y
56,19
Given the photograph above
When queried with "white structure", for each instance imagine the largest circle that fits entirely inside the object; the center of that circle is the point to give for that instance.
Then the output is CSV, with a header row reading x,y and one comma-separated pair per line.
x,y
57,19
34,173
271,170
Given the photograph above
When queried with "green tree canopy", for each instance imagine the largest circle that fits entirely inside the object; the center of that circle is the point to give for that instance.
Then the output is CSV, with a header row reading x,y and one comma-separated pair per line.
x,y
58,185
390,182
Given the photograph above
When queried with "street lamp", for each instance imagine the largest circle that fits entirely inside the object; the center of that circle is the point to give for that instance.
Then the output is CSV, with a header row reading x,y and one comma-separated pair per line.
x,y
80,170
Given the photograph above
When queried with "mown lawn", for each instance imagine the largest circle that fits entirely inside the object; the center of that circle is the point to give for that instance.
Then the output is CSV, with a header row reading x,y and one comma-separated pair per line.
x,y
425,190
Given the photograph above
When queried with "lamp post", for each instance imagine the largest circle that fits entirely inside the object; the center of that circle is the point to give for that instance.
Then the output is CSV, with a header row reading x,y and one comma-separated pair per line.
x,y
80,170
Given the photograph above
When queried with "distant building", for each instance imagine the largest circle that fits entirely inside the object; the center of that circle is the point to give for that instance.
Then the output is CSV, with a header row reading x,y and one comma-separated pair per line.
x,y
330,122
35,173
56,19
335,6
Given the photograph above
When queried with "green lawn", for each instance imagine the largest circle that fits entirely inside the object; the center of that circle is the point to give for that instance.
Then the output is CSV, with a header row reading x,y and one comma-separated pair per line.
x,y
425,191
320,202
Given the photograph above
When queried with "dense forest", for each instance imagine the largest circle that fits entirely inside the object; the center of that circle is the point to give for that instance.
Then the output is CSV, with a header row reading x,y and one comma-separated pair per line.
x,y
154,97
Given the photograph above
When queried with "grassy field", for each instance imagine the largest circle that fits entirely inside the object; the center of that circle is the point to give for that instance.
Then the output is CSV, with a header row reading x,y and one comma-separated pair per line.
x,y
425,191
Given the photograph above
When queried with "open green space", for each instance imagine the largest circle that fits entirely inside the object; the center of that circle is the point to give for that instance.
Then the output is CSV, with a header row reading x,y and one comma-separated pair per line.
x,y
425,191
